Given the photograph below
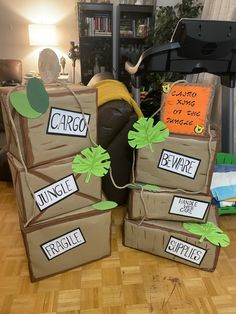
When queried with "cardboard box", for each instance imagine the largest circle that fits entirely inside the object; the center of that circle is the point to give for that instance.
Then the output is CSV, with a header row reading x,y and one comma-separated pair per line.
x,y
170,240
58,133
55,188
180,162
169,205
67,242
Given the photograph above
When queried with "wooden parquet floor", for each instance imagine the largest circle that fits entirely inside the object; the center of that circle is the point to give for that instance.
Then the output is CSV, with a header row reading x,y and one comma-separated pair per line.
x,y
128,281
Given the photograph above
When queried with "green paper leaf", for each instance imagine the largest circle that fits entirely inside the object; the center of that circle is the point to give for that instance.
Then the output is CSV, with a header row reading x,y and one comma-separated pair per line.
x,y
20,102
151,187
37,95
147,134
209,231
147,187
93,161
105,205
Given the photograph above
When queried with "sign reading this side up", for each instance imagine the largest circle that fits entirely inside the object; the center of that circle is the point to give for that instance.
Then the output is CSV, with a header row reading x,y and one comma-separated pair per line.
x,y
63,243
65,122
178,163
186,109
55,192
188,207
185,250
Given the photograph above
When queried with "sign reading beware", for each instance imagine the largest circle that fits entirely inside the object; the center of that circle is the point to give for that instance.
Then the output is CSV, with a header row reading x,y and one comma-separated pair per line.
x,y
177,163
186,109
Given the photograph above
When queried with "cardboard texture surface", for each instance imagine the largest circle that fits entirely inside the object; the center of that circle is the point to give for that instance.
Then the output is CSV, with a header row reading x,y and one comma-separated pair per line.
x,y
67,242
56,189
170,240
169,205
58,133
180,162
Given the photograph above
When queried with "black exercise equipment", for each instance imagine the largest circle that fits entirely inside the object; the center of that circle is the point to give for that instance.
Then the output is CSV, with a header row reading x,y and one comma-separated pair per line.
x,y
196,46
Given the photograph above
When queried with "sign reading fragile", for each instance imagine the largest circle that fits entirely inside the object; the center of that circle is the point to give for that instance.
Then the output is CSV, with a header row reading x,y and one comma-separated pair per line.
x,y
63,243
65,122
186,109
185,250
55,192
178,163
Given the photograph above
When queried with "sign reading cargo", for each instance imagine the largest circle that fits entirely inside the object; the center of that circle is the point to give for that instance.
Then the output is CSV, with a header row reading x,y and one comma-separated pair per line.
x,y
186,109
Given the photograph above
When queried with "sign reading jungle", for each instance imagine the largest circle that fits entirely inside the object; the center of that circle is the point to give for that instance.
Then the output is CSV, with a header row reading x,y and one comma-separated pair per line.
x,y
55,192
186,109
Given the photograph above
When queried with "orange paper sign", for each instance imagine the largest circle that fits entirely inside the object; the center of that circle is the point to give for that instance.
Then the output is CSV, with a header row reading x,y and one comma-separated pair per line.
x,y
186,109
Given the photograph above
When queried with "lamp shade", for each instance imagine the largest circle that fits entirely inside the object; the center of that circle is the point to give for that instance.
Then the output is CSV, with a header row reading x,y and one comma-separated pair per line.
x,y
42,35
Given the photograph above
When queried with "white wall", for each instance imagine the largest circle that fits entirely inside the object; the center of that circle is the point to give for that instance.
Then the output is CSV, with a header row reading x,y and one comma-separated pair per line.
x,y
14,19
166,2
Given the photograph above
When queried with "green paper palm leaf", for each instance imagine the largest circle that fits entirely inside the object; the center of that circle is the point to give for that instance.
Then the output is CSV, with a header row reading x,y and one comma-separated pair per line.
x,y
93,161
147,187
37,95
146,134
209,231
105,205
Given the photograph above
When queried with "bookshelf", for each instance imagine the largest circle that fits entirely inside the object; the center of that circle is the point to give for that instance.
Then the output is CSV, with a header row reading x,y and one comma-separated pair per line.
x,y
95,39
135,22
109,35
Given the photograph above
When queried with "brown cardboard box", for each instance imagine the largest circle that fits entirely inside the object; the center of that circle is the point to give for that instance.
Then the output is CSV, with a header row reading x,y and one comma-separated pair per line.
x,y
58,133
67,242
170,240
181,162
169,205
56,189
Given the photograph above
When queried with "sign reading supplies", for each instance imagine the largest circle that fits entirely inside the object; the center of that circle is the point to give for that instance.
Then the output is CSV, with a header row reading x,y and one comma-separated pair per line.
x,y
185,250
186,109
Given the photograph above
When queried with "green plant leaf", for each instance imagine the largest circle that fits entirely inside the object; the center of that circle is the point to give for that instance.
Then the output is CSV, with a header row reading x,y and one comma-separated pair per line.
x,y
93,161
105,205
146,133
20,102
209,231
37,95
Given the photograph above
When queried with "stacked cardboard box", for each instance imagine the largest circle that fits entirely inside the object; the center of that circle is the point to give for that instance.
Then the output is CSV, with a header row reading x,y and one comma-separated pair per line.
x,y
59,226
182,167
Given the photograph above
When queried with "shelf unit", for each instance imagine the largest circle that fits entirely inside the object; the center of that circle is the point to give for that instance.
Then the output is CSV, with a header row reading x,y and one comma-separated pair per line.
x,y
111,34
95,39
134,24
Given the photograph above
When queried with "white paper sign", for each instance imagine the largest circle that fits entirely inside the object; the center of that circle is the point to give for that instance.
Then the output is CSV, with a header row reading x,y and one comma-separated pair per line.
x,y
185,250
63,244
65,122
55,192
188,207
178,163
